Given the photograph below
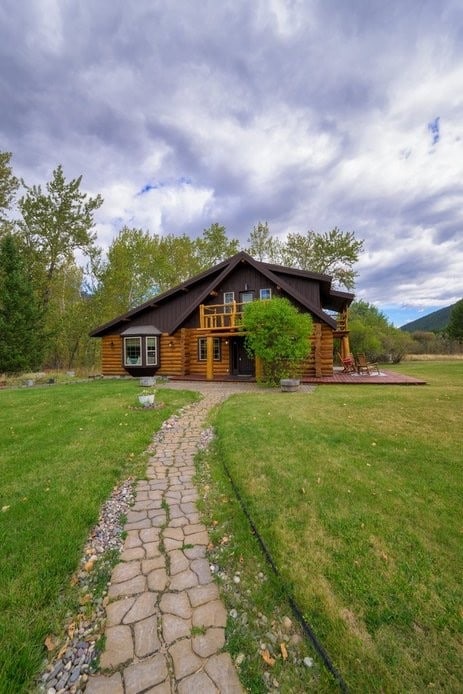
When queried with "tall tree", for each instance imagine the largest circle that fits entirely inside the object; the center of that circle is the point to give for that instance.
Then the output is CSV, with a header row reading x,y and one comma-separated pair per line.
x,y
21,326
262,245
55,225
455,326
8,187
332,253
214,246
127,276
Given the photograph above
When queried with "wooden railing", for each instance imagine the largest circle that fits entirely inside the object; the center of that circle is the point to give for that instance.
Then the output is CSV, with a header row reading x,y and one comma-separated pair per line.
x,y
228,316
220,316
342,322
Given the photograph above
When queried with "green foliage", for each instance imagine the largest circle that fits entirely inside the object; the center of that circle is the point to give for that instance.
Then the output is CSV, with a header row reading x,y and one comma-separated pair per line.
x,y
54,225
332,253
262,245
278,334
8,186
22,343
214,246
455,326
371,333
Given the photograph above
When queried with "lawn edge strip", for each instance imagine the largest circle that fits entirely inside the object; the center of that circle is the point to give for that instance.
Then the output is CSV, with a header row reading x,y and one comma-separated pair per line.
x,y
307,629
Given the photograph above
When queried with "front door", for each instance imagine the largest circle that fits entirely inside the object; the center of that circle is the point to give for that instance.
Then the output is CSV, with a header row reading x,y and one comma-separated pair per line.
x,y
241,362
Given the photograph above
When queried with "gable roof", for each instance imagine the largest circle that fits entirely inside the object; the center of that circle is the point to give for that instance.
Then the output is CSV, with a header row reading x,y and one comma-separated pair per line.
x,y
331,299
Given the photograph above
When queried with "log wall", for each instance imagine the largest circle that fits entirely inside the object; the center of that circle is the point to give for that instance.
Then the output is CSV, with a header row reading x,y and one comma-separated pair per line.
x,y
179,354
111,356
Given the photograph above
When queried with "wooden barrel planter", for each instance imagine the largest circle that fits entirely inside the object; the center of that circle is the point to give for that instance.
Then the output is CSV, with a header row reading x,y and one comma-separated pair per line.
x,y
289,385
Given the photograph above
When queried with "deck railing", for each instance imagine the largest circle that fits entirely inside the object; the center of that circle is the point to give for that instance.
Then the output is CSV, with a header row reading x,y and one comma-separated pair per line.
x,y
228,316
220,316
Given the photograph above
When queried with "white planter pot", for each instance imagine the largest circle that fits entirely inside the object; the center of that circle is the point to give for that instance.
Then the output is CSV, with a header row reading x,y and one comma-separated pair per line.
x,y
146,400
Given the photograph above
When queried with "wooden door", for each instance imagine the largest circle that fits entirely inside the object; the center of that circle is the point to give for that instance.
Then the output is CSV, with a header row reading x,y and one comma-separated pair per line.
x,y
241,363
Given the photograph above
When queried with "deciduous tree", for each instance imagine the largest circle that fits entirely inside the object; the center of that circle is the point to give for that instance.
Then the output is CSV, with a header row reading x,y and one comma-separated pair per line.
x,y
8,187
55,225
333,253
214,246
21,324
262,245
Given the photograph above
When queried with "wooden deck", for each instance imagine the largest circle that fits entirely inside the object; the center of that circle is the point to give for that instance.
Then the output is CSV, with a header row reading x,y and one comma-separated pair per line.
x,y
385,378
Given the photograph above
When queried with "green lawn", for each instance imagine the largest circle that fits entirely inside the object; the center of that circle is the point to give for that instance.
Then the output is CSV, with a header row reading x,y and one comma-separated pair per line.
x,y
63,448
357,492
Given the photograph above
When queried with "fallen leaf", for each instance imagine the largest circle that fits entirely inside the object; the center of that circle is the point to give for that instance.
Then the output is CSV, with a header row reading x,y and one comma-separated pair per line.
x,y
267,658
71,630
5,508
49,642
85,599
283,650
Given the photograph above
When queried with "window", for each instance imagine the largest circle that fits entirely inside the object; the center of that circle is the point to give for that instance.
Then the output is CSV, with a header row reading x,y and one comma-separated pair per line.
x,y
246,297
228,298
132,351
202,349
265,294
151,351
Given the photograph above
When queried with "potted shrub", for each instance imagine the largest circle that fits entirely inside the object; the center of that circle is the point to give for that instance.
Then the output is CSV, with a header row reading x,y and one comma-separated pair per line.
x,y
146,398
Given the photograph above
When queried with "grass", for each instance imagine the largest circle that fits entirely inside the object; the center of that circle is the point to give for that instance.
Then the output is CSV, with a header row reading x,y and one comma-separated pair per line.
x,y
63,449
357,493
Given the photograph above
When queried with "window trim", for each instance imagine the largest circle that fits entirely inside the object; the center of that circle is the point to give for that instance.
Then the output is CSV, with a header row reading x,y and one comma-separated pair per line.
x,y
143,347
155,349
127,359
216,348
265,298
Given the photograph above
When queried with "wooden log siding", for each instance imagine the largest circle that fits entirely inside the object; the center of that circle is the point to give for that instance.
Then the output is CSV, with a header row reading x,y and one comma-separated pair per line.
x,y
199,368
172,354
111,356
178,354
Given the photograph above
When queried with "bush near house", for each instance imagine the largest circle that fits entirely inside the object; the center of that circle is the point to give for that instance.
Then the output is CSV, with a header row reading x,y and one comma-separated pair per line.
x,y
279,335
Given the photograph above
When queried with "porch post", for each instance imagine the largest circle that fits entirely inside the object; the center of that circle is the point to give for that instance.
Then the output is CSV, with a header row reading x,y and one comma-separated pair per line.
x,y
210,358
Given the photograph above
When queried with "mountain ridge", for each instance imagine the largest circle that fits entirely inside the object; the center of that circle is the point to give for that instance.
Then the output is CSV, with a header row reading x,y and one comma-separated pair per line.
x,y
432,322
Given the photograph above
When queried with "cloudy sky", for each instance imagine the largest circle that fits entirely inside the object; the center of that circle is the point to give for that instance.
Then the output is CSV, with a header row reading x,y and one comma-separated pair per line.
x,y
308,114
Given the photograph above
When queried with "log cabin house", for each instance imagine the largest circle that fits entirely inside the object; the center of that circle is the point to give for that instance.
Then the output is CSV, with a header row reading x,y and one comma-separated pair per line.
x,y
193,330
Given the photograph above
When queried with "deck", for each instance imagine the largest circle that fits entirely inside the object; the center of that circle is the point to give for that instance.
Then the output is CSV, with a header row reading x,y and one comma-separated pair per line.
x,y
384,378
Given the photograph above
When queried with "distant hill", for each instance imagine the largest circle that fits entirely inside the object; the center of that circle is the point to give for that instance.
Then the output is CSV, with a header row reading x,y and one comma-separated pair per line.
x,y
438,320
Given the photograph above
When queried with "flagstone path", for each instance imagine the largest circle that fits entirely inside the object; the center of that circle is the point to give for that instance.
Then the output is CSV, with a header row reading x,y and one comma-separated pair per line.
x,y
165,626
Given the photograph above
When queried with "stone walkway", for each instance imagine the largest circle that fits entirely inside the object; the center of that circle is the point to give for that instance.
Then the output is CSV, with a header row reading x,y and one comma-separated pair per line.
x,y
165,625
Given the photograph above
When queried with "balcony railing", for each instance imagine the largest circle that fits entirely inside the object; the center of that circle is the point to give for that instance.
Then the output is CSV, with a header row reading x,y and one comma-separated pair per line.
x,y
220,316
228,317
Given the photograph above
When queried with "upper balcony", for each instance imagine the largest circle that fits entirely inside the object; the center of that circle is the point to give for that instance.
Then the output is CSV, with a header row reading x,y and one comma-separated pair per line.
x,y
228,317
220,316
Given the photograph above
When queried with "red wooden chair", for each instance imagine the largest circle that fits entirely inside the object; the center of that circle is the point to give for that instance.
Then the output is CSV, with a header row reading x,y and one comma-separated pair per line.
x,y
348,364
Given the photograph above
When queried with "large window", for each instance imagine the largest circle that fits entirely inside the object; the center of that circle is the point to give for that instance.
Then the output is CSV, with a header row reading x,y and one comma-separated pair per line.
x,y
202,348
141,351
132,351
